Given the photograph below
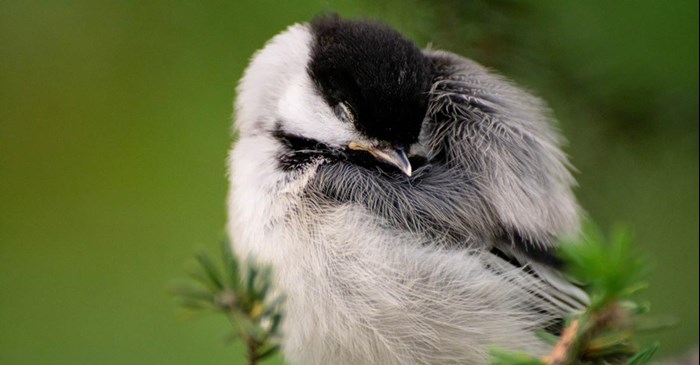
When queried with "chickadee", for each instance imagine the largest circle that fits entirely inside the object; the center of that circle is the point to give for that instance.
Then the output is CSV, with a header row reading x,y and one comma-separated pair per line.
x,y
408,201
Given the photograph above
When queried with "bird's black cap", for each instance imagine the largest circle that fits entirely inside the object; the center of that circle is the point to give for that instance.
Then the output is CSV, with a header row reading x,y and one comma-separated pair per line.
x,y
381,74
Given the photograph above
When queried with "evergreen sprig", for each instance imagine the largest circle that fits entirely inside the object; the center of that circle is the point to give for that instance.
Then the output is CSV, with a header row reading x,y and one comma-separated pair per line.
x,y
245,297
612,274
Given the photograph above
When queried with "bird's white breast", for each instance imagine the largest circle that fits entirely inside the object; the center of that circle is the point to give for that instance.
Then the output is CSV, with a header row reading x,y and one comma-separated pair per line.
x,y
359,292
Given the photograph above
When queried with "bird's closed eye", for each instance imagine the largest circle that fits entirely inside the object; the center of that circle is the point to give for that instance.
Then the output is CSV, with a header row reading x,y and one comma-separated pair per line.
x,y
343,112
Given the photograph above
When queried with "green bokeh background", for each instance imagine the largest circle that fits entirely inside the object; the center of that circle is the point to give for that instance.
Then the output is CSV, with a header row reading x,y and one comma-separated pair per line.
x,y
115,123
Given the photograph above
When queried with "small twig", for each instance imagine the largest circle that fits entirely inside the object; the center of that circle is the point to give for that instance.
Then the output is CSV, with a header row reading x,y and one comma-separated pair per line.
x,y
562,351
252,347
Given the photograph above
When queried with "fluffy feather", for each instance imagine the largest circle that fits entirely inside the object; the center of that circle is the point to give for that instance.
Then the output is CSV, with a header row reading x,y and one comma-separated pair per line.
x,y
380,268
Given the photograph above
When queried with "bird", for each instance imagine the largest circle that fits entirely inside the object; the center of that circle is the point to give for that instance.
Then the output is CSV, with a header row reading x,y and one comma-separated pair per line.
x,y
408,201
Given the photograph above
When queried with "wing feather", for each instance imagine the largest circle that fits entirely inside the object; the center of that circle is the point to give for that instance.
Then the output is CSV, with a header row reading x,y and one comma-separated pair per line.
x,y
503,139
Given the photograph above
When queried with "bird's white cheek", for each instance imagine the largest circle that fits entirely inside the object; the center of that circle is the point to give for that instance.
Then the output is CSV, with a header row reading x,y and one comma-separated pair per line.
x,y
303,112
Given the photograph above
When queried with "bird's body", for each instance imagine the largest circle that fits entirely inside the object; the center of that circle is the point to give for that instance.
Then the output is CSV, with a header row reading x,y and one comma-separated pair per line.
x,y
379,267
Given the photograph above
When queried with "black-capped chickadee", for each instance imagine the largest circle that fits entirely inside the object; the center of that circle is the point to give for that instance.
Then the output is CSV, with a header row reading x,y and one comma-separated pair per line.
x,y
408,201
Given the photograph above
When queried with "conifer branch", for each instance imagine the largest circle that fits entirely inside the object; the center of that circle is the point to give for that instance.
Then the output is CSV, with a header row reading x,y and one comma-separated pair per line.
x,y
247,300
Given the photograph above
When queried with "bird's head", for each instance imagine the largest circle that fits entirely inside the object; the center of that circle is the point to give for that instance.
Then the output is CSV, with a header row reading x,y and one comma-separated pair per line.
x,y
337,85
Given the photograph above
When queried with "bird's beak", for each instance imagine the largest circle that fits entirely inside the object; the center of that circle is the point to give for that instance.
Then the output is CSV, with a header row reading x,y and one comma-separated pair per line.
x,y
393,156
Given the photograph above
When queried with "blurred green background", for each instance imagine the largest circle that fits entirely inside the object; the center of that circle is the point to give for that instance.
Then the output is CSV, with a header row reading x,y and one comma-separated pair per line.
x,y
115,123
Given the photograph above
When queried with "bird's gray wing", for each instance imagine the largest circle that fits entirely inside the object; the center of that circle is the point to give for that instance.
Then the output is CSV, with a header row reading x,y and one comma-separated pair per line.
x,y
504,140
